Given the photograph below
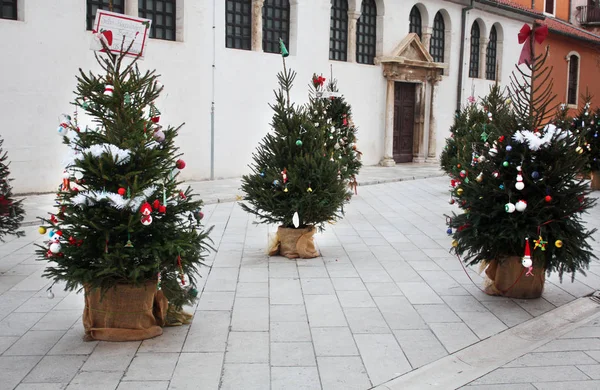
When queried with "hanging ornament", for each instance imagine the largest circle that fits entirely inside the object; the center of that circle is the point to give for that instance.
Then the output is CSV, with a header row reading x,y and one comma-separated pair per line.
x,y
451,201
49,292
484,136
579,149
298,142
159,136
540,243
501,186
262,174
459,191
493,152
275,182
527,262
454,243
521,205
505,164
122,191
519,185
449,231
285,189
508,148
509,208
55,247
463,173
180,164
296,219
496,174
146,210
284,175
159,280
42,230
309,189
109,89
501,139
479,177
181,275
481,159
154,113
548,199
558,243
63,129
535,175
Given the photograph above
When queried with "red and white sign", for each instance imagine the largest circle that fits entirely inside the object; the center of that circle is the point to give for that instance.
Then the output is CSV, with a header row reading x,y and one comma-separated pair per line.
x,y
119,31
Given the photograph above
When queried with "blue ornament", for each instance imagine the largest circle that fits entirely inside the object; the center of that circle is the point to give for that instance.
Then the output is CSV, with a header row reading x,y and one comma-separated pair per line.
x,y
501,186
449,231
262,174
535,175
51,233
275,182
596,135
62,131
508,148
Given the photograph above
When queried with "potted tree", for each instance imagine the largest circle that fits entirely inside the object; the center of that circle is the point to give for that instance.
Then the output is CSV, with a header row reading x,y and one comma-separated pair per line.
x,y
11,210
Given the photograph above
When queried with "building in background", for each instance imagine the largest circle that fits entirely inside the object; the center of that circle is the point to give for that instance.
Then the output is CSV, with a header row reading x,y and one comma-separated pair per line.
x,y
405,66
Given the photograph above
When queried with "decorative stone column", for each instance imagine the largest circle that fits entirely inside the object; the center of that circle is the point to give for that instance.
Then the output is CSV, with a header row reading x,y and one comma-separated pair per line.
x,y
257,36
352,20
431,153
419,129
388,141
483,43
426,37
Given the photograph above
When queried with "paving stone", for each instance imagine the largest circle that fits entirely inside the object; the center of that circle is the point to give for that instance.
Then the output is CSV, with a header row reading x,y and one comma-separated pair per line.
x,y
341,270
336,341
6,342
383,289
290,354
535,307
454,336
565,345
442,283
14,368
252,290
58,320
297,378
511,386
208,332
366,320
420,346
59,369
424,265
542,359
17,324
253,275
399,313
436,313
570,385
35,343
290,331
73,301
556,295
246,376
382,356
197,371
313,272
324,310
284,291
288,313
464,303
348,284
372,275
484,324
286,270
222,279
317,286
531,375
343,373
152,366
171,340
355,299
247,347
143,385
96,380
250,314
419,293
109,356
41,386
508,311
71,344
593,370
401,272
583,332
38,305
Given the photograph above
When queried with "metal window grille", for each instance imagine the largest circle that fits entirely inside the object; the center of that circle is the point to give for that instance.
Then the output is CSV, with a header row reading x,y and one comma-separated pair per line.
x,y
162,14
94,5
415,22
474,60
549,7
490,56
438,36
573,79
8,9
338,30
366,33
276,24
238,22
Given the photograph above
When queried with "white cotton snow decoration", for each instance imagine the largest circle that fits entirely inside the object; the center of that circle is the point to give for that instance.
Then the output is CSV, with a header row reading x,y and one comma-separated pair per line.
x,y
120,156
296,220
89,198
535,141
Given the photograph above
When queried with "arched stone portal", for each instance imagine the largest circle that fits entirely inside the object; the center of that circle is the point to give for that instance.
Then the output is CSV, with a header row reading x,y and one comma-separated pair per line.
x,y
412,82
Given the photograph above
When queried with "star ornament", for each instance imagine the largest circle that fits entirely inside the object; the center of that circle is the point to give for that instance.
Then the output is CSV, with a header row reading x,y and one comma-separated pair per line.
x,y
540,243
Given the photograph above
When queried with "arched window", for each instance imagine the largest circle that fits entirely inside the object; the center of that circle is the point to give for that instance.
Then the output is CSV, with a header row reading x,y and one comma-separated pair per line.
x,y
366,33
474,60
415,22
490,55
276,24
338,30
238,24
573,84
436,45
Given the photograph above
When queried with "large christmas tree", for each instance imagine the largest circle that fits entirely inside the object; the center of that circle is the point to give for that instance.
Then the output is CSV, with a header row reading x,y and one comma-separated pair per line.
x,y
121,218
293,182
11,210
521,199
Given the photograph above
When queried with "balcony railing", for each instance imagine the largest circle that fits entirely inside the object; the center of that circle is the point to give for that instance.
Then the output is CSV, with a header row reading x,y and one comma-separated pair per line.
x,y
589,14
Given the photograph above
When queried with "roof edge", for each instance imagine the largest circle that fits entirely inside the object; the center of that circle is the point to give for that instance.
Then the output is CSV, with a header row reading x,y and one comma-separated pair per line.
x,y
506,7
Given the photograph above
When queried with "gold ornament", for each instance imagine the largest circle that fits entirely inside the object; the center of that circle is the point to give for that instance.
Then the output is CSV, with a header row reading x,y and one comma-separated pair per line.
x,y
454,243
558,243
42,230
459,191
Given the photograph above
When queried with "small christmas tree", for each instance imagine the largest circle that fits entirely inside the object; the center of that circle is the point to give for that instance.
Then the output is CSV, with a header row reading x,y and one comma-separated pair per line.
x,y
340,130
11,211
525,194
293,182
121,219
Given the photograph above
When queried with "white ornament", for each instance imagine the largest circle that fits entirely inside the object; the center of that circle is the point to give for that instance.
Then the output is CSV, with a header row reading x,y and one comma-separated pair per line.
x,y
146,220
50,294
481,159
109,89
63,130
78,175
527,262
519,186
521,206
509,207
55,247
493,152
296,220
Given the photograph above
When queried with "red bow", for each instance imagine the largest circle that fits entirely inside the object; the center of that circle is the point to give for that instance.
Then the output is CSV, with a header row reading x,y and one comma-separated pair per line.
x,y
539,33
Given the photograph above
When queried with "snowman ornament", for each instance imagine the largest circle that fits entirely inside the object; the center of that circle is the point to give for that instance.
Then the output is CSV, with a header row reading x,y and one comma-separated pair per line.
x,y
146,210
527,262
519,185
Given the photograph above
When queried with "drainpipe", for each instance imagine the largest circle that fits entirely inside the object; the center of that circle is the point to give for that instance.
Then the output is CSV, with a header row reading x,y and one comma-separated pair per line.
x,y
463,20
212,104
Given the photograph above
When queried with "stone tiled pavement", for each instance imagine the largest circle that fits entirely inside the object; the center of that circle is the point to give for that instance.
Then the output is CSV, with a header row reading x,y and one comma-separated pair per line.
x,y
385,298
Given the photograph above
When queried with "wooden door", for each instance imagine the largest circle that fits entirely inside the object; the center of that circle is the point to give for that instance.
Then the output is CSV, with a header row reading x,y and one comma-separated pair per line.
x,y
404,121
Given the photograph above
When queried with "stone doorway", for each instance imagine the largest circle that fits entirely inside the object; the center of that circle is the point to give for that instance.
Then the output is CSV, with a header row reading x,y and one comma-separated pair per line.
x,y
410,71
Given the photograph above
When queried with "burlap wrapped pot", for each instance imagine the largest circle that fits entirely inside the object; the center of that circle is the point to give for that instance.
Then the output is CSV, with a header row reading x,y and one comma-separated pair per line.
x,y
508,278
294,243
595,183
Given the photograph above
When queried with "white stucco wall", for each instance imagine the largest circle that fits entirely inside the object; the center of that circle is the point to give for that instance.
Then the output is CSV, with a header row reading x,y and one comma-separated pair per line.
x,y
49,44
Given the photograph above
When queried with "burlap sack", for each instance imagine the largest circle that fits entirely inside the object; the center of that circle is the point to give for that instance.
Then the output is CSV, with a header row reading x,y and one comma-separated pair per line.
x,y
509,279
294,243
124,313
595,183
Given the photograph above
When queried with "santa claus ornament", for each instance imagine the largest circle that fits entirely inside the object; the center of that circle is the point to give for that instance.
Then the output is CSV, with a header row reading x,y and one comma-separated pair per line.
x,y
527,262
146,210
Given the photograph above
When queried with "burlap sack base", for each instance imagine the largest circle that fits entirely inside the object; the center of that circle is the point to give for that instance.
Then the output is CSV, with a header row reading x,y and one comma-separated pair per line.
x,y
294,243
508,279
124,313
595,183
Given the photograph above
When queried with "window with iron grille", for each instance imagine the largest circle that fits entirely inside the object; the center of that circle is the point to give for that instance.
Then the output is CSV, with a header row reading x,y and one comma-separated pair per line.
x,y
573,79
238,24
162,14
414,19
94,5
338,30
549,7
474,60
490,55
8,9
366,33
276,24
438,36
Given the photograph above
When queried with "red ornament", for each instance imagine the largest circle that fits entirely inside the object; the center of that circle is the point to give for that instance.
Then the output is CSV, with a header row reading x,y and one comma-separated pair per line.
x,y
122,191
155,119
162,209
182,195
156,204
200,214
146,209
548,199
501,139
180,164
318,81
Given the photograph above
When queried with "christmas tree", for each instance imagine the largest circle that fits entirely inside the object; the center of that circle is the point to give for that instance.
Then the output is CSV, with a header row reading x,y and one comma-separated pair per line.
x,y
340,130
121,218
11,211
293,182
524,194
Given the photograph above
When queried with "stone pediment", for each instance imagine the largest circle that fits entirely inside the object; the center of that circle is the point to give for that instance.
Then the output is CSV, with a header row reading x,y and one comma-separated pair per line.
x,y
411,52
